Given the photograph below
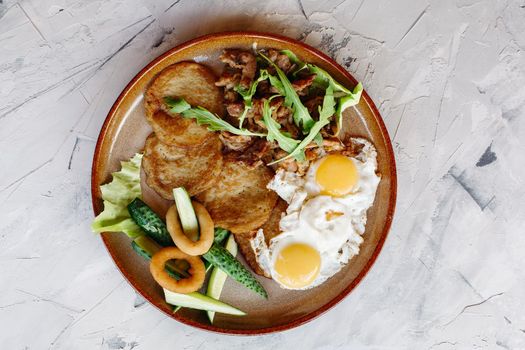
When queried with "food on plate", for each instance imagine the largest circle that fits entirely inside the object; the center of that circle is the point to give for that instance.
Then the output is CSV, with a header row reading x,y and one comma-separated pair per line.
x,y
167,167
219,257
325,219
149,222
205,223
240,201
188,219
147,247
270,229
188,80
258,152
200,302
218,277
116,195
185,285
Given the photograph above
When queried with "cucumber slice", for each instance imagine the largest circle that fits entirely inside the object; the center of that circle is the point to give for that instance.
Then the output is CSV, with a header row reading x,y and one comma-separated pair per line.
x,y
149,222
201,302
187,216
146,248
218,277
224,260
220,235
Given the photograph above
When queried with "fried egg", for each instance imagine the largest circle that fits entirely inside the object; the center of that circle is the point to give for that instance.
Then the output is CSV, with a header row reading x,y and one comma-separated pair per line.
x,y
325,220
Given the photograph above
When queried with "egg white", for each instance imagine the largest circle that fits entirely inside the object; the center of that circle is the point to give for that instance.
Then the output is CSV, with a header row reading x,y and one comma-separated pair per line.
x,y
336,238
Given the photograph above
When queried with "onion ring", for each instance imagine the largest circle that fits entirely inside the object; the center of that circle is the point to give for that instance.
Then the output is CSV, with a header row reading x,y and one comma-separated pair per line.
x,y
186,285
184,242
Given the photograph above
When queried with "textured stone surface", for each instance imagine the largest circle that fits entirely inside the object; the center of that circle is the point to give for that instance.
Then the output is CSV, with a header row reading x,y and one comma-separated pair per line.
x,y
449,79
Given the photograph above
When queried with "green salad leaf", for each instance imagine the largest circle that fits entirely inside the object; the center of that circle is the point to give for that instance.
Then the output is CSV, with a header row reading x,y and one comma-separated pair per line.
x,y
274,134
214,122
301,115
325,114
299,65
247,94
117,194
324,79
276,83
177,105
349,100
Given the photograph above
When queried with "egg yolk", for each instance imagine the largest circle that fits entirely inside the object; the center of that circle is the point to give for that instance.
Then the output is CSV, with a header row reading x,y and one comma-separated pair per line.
x,y
297,265
336,175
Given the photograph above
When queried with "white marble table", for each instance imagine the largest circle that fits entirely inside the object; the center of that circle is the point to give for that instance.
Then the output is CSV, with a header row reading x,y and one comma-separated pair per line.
x,y
449,79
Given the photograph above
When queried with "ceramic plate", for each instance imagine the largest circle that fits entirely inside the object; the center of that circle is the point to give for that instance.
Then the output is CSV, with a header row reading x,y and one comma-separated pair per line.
x,y
124,132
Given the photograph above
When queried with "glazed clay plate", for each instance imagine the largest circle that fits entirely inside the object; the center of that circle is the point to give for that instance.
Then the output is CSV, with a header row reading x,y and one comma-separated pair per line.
x,y
124,133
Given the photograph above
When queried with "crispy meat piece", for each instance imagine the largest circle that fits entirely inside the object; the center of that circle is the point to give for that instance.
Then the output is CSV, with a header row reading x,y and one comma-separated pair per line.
x,y
230,96
263,88
313,104
254,153
282,61
235,109
235,142
301,85
243,60
313,153
333,145
351,149
229,79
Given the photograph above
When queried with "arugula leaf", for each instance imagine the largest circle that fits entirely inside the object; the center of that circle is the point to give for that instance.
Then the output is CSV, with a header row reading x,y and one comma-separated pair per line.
x,y
117,194
316,128
328,108
247,95
274,134
301,115
176,105
300,65
349,100
324,79
214,122
325,114
276,83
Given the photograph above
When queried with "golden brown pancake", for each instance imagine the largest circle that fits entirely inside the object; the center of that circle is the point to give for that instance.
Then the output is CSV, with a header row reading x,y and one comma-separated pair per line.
x,y
167,166
194,83
240,201
270,229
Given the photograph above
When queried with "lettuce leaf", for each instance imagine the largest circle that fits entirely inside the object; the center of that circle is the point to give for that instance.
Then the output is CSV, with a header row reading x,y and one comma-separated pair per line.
x,y
117,194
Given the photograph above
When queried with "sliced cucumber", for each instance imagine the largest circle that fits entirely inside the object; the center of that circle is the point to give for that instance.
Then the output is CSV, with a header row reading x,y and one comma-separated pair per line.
x,y
187,216
220,235
219,257
150,222
201,302
146,247
218,277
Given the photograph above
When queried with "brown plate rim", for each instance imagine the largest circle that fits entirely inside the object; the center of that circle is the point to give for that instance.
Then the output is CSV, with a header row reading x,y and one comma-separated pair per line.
x,y
391,162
